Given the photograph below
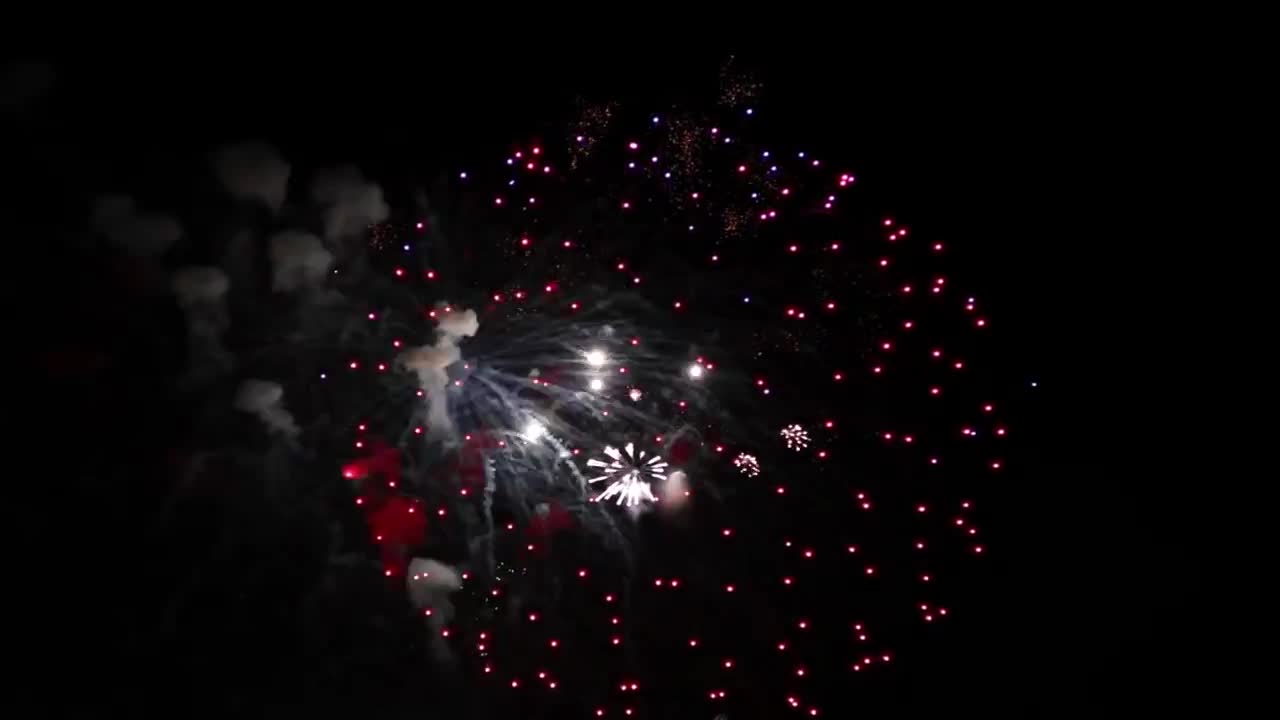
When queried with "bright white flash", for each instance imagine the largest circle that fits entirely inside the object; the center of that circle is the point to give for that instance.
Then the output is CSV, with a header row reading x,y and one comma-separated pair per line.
x,y
635,394
534,430
695,370
596,358
629,473
596,384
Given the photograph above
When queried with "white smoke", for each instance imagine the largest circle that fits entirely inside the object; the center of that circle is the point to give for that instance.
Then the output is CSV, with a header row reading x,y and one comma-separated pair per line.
x,y
201,293
350,202
430,583
253,171
298,261
144,234
266,400
431,362
196,286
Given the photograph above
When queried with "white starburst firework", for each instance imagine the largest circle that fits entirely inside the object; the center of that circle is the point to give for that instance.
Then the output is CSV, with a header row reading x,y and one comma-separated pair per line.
x,y
747,464
795,436
629,473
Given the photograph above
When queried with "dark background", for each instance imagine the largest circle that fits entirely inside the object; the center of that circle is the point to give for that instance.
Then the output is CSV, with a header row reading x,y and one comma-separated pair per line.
x,y
1029,156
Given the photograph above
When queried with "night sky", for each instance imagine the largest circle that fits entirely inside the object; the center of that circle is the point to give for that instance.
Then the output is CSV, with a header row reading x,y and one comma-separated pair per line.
x,y
1007,151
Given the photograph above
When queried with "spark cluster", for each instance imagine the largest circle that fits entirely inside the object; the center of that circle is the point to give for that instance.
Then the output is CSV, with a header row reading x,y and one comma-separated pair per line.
x,y
795,437
747,464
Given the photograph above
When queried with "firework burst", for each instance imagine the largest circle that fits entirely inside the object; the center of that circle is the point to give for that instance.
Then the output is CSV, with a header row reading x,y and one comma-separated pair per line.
x,y
747,464
629,473
795,436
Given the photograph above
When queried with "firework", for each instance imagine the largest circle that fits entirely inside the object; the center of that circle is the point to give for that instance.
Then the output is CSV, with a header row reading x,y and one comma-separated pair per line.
x,y
629,474
581,270
795,437
747,464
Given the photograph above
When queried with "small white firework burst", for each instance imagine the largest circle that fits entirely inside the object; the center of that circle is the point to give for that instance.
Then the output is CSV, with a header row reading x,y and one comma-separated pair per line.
x,y
629,473
635,394
747,464
796,437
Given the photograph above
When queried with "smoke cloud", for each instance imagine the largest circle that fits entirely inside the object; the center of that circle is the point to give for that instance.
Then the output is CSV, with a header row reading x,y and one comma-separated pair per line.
x,y
350,202
430,583
266,400
196,286
298,261
201,293
431,362
253,171
139,233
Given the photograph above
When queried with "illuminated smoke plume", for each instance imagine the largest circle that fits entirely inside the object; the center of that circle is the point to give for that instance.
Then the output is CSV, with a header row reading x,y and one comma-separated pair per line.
x,y
431,362
139,233
350,202
253,171
298,261
674,493
430,583
266,400
201,293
